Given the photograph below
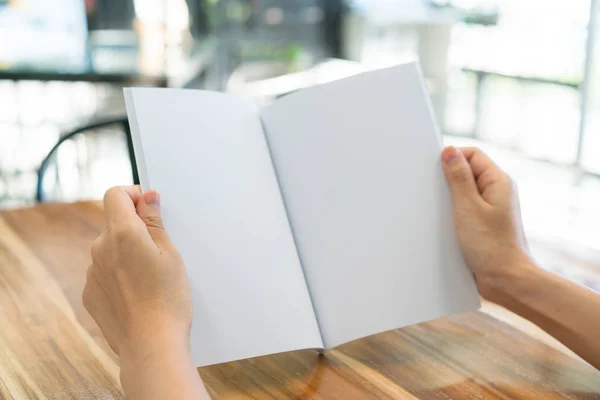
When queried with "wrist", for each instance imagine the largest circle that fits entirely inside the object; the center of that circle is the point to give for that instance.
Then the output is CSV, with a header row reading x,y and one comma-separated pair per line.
x,y
151,340
510,282
151,352
158,365
153,336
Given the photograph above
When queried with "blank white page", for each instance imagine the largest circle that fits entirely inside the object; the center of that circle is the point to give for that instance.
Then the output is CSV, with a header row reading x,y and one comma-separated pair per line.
x,y
207,156
358,162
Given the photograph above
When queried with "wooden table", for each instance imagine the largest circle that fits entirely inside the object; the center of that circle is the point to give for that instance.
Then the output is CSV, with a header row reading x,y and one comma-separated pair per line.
x,y
50,348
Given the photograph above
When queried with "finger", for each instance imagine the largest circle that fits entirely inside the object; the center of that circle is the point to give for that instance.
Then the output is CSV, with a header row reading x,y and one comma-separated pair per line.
x,y
98,245
98,304
88,272
479,161
88,289
148,209
120,202
485,170
459,175
96,249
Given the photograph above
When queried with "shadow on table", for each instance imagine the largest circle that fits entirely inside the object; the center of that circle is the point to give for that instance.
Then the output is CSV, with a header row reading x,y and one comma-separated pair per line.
x,y
470,355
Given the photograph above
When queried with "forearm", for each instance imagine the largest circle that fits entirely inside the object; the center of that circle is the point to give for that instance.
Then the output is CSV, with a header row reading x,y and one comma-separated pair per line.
x,y
161,371
567,311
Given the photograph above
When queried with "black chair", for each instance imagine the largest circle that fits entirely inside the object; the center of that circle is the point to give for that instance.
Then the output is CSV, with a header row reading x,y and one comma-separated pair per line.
x,y
91,127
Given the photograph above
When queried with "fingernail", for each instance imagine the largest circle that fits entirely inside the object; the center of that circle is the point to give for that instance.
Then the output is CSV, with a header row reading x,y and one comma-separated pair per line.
x,y
449,154
152,198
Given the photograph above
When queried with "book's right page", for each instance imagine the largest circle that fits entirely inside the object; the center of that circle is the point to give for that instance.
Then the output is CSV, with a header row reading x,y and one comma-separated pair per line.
x,y
358,163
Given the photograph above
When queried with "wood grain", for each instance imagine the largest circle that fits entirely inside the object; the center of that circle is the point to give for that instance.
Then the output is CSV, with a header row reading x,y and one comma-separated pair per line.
x,y
50,348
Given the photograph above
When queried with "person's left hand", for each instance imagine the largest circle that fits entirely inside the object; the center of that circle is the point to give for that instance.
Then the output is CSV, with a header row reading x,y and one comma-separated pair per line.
x,y
137,288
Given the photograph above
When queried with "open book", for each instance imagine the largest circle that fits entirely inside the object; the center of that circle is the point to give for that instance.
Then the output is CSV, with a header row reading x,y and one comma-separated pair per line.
x,y
315,221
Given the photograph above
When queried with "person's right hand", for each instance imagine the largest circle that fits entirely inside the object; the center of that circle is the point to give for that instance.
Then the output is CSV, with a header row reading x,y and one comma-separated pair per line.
x,y
488,220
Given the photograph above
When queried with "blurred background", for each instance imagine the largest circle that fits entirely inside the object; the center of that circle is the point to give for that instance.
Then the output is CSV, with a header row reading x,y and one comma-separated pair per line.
x,y
520,79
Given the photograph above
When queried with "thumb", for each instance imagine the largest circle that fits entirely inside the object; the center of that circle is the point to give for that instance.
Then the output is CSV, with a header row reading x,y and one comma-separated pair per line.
x,y
148,209
459,175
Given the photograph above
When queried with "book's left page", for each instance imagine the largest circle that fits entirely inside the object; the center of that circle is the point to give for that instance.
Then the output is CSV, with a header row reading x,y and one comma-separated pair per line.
x,y
206,154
